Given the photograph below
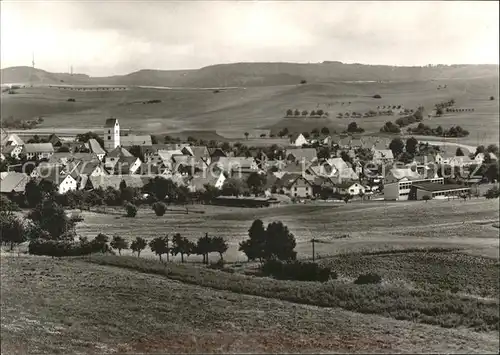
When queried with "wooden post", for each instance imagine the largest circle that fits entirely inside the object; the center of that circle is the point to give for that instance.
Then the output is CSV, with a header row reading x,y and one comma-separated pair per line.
x,y
312,241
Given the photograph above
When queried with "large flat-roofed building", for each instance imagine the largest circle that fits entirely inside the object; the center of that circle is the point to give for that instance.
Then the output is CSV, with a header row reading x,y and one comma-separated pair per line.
x,y
437,191
398,182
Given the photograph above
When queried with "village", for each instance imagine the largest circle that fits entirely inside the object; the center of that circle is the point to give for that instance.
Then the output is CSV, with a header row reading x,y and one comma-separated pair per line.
x,y
322,166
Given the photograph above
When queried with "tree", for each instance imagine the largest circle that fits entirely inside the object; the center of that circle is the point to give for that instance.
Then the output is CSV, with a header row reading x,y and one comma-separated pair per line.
x,y
459,152
411,145
100,243
219,245
289,112
33,193
377,96
280,243
492,148
296,113
353,128
232,187
204,247
135,150
50,217
161,188
303,81
396,146
254,246
160,208
256,182
246,135
159,246
480,149
63,149
119,244
312,113
492,98
324,153
138,245
325,131
182,245
320,112
12,229
131,210
439,111
315,132
154,139
304,113
85,137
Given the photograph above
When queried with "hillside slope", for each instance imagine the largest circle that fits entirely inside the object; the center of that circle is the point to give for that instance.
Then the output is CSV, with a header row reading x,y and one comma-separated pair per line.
x,y
257,74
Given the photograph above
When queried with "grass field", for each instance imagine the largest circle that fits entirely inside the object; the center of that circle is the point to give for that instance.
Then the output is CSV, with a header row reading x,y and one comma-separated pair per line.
x,y
372,225
71,306
234,112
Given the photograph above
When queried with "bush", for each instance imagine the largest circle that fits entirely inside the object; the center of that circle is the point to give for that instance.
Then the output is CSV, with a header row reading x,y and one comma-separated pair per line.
x,y
492,98
160,208
377,96
494,192
297,270
71,100
131,210
369,278
65,248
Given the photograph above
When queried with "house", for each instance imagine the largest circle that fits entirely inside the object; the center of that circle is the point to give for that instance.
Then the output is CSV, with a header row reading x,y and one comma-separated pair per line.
x,y
65,157
197,183
12,182
7,139
443,158
398,182
111,134
260,157
12,151
295,185
94,147
216,154
382,156
419,191
350,188
301,155
298,140
356,143
55,140
232,164
187,165
131,140
199,152
112,158
127,166
64,182
38,151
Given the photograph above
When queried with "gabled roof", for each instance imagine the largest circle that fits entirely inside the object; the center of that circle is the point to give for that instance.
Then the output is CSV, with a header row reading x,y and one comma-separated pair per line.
x,y
294,136
212,151
288,180
346,185
66,156
125,163
38,148
54,139
338,163
119,152
230,163
13,181
166,155
306,154
399,174
199,182
3,136
95,147
110,122
197,151
51,172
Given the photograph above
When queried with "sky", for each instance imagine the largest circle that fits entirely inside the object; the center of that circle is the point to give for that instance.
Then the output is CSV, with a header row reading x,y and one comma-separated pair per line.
x,y
118,37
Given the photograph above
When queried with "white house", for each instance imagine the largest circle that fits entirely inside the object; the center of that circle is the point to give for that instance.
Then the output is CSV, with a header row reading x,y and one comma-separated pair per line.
x,y
38,150
12,151
111,134
352,189
298,140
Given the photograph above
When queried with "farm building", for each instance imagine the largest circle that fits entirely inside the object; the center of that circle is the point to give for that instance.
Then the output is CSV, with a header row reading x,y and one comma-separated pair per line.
x,y
38,150
350,189
298,140
436,191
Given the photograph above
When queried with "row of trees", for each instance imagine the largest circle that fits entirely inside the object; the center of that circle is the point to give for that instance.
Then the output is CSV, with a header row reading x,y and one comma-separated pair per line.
x,y
304,113
425,130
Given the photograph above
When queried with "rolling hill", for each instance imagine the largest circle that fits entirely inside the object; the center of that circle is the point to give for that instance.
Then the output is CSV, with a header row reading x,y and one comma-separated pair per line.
x,y
257,74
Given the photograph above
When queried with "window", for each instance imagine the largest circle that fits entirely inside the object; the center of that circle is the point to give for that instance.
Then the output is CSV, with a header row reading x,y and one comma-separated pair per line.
x,y
295,189
109,131
109,137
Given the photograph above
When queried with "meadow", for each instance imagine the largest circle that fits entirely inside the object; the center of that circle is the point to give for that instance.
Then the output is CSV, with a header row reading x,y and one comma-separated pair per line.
x,y
371,225
233,112
52,306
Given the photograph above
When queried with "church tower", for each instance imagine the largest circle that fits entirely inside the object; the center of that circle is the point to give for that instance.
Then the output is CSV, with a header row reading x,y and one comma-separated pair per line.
x,y
111,134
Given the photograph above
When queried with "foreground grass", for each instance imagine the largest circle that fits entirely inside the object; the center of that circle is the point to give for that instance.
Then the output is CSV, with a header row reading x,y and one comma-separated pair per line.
x,y
432,307
62,306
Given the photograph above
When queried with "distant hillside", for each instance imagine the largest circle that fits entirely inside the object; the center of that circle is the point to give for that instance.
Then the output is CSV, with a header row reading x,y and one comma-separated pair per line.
x,y
257,74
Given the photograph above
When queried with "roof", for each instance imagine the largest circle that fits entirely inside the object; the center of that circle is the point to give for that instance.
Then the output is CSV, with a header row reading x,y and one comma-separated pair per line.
x,y
119,152
95,147
166,155
432,187
54,139
3,136
125,163
38,148
12,181
110,122
288,180
114,181
212,151
404,173
197,151
424,159
345,185
338,163
79,167
9,148
54,173
306,154
130,140
230,163
61,156
199,182
382,154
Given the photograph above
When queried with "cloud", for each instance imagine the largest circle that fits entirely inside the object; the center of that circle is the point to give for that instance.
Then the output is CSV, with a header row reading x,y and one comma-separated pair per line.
x,y
117,37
